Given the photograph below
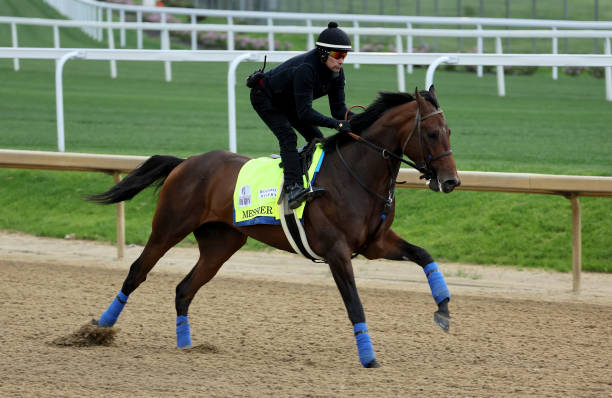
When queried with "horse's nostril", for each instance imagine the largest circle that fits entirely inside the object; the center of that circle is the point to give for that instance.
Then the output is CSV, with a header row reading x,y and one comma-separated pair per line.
x,y
450,185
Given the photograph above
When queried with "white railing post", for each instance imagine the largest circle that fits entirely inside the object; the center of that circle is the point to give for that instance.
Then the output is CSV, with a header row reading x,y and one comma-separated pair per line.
x,y
230,34
194,37
429,75
59,97
120,221
608,71
409,45
111,42
401,78
270,35
479,50
576,242
231,98
165,43
555,50
310,44
501,84
56,38
356,39
100,31
139,30
15,44
122,30
89,16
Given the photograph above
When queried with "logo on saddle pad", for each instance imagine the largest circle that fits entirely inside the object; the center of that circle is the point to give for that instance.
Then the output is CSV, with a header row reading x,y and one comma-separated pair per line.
x,y
244,197
267,193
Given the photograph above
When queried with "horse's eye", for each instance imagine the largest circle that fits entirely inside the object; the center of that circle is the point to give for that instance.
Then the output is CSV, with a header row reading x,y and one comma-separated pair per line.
x,y
432,135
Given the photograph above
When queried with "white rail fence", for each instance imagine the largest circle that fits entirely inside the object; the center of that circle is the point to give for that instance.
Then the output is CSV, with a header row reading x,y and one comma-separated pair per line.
x,y
400,34
570,187
96,11
236,57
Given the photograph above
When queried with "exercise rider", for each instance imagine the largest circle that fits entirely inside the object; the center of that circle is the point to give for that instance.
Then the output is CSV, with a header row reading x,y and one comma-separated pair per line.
x,y
283,97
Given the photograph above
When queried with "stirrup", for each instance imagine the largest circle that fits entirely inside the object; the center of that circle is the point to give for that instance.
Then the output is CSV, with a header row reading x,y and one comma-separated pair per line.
x,y
307,195
314,192
296,201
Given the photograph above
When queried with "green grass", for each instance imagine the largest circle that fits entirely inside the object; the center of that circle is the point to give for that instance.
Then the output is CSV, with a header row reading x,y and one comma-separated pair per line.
x,y
541,126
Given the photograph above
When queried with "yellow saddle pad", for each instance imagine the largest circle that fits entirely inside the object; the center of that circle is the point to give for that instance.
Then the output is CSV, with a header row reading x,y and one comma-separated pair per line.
x,y
259,186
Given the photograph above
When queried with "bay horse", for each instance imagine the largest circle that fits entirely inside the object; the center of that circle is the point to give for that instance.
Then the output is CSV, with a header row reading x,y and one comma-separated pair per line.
x,y
354,214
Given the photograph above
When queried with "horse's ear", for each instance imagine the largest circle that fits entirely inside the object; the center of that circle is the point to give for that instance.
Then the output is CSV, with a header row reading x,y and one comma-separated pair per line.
x,y
432,91
417,96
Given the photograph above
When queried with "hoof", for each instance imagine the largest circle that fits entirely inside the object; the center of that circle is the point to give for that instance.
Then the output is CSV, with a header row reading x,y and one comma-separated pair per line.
x,y
442,320
373,364
95,322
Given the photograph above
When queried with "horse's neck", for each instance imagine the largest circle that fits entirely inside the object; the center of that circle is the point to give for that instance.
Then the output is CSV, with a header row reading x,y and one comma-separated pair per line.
x,y
371,165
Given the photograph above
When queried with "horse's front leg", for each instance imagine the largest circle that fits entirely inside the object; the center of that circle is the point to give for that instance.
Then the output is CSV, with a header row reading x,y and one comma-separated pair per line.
x,y
392,247
342,271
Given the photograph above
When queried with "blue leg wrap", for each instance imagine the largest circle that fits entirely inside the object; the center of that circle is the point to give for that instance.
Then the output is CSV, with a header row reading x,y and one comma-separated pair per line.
x,y
183,333
438,287
364,344
109,317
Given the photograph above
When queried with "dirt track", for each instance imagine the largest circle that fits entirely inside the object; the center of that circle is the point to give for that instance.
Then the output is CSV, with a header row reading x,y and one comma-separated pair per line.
x,y
274,325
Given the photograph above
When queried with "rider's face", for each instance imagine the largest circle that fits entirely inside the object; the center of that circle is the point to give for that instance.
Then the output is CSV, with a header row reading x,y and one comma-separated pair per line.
x,y
335,61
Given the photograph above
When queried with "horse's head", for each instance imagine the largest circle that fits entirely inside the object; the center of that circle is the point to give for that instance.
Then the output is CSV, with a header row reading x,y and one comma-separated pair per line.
x,y
426,140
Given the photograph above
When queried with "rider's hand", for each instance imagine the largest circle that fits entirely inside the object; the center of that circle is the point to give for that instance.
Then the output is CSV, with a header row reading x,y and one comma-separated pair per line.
x,y
343,126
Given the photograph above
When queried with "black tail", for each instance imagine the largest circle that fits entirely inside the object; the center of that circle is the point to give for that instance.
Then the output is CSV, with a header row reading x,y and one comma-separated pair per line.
x,y
156,168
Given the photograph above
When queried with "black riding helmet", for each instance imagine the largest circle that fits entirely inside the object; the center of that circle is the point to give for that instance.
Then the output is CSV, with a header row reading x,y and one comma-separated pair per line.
x,y
332,39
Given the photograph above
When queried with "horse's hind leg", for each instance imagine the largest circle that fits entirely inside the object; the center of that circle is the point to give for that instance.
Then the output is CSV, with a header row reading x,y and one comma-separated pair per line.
x,y
217,243
164,236
139,269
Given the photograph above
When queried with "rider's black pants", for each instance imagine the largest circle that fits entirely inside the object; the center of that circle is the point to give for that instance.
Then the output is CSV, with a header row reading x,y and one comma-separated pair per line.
x,y
282,122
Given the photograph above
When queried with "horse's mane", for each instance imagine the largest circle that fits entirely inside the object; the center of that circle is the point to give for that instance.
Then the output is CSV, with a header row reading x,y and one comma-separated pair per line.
x,y
361,121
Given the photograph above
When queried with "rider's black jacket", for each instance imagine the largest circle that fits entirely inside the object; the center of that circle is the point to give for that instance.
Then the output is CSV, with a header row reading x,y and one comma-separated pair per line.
x,y
295,83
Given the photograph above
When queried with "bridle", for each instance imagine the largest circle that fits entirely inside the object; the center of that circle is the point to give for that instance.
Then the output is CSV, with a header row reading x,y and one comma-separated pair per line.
x,y
426,170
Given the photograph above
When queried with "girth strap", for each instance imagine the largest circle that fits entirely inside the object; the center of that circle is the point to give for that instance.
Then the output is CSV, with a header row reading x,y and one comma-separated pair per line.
x,y
295,233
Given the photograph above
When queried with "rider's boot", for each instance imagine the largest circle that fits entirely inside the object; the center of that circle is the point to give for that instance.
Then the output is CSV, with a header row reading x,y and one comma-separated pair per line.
x,y
296,194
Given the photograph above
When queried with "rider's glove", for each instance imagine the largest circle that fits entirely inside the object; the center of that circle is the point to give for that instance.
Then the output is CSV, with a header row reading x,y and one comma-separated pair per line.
x,y
343,126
